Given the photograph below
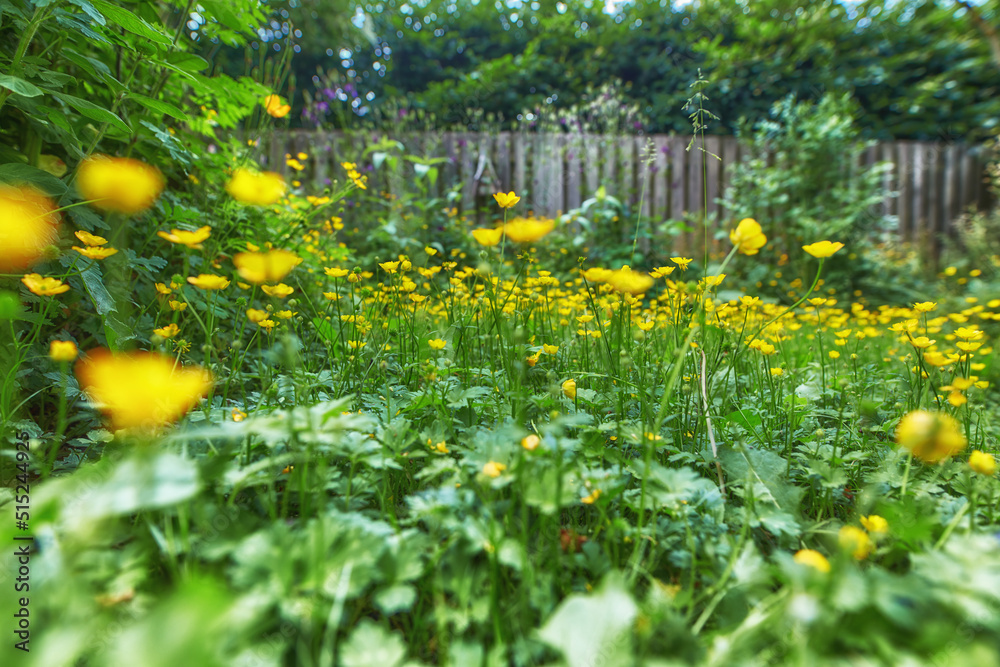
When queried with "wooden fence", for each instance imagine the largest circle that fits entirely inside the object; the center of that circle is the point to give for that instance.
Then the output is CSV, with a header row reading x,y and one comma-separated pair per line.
x,y
929,185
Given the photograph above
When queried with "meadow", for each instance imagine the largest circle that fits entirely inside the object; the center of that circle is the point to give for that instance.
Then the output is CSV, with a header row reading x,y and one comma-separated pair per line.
x,y
244,423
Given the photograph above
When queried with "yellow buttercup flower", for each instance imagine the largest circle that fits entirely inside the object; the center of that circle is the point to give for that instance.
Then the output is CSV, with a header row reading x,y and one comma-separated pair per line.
x,y
177,305
267,325
89,239
437,343
276,107
925,306
95,252
822,249
596,274
258,189
875,524
627,280
855,540
336,273
255,315
682,262
506,200
748,237
62,350
141,389
279,291
531,442
525,230
389,267
265,267
982,463
493,469
190,239
238,415
168,331
930,436
285,314
44,286
29,224
120,185
487,237
208,281
813,559
550,349
569,388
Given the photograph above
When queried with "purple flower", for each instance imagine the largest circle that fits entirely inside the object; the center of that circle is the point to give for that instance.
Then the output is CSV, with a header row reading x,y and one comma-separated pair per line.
x,y
402,113
637,125
327,181
323,106
330,93
461,143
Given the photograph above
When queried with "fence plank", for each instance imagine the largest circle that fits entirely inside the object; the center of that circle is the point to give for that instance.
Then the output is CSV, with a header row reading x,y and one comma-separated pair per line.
x,y
904,201
574,148
678,188
519,163
502,163
935,182
592,165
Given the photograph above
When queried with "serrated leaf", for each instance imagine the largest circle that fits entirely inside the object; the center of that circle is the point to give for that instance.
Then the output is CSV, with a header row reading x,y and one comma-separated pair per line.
x,y
19,86
395,599
93,111
89,10
134,484
94,282
159,106
23,173
126,19
372,645
584,627
188,62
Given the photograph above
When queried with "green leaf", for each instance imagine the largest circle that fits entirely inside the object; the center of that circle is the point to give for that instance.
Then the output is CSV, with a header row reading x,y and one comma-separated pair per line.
x,y
19,86
138,483
131,22
14,172
395,599
588,627
372,645
94,282
94,112
89,10
161,107
189,62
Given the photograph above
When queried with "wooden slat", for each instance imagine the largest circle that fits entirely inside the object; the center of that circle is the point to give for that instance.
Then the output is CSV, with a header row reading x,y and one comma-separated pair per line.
x,y
659,174
592,165
609,165
714,147
450,169
539,167
574,179
678,188
904,201
518,163
696,198
502,162
890,183
920,217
